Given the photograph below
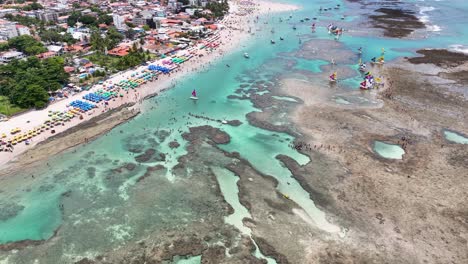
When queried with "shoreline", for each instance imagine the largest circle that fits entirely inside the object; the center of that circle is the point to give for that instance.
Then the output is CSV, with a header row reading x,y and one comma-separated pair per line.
x,y
230,38
81,133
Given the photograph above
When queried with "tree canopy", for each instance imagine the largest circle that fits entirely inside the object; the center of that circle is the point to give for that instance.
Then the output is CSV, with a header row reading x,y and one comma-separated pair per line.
x,y
27,44
27,82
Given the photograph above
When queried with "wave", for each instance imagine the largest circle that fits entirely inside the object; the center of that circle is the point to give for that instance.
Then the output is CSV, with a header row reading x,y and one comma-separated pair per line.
x,y
424,18
459,48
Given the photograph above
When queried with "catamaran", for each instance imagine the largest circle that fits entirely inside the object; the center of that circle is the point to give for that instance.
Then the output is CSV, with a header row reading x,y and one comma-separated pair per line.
x,y
194,95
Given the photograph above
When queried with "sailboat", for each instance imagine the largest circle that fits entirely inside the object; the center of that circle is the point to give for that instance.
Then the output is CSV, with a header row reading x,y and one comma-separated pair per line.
x,y
246,55
362,66
194,95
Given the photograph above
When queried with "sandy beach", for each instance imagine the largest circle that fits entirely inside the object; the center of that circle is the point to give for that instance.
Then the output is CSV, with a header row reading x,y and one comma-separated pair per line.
x,y
230,38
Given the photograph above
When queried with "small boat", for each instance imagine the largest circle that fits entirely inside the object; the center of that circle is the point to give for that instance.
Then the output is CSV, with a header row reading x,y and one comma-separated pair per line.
x,y
379,61
246,55
306,19
342,17
224,121
302,20
294,27
194,95
362,67
281,38
272,42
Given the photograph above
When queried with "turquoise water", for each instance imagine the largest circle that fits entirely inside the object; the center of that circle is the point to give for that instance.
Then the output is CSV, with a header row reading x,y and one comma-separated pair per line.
x,y
455,137
99,191
190,260
228,185
388,151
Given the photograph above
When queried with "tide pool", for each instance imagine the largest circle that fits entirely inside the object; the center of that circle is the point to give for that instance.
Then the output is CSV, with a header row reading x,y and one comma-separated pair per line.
x,y
388,151
189,260
455,137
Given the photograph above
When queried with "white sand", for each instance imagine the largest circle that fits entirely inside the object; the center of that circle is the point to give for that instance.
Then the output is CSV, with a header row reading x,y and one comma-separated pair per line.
x,y
235,32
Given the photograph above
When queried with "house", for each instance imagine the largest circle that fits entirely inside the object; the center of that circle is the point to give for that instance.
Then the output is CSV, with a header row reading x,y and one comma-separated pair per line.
x,y
47,54
119,51
172,22
69,69
200,21
11,55
212,27
55,48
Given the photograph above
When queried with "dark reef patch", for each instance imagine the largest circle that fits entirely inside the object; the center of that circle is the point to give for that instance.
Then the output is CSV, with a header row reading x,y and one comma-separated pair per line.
x,y
396,22
9,210
440,57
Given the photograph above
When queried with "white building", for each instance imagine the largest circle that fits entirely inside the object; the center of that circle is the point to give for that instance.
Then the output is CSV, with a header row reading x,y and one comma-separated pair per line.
x,y
7,30
23,30
11,55
119,21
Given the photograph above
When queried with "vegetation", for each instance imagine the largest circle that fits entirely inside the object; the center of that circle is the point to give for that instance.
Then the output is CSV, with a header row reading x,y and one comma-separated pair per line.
x,y
8,108
56,36
111,39
32,6
218,10
26,44
112,63
24,20
26,83
88,20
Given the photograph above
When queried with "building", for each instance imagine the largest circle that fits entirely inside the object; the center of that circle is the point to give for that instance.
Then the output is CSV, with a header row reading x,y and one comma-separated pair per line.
x,y
119,21
5,11
47,16
11,55
7,30
11,29
23,30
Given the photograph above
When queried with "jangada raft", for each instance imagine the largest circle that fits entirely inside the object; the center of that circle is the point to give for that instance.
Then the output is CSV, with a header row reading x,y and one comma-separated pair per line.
x,y
380,60
332,29
370,82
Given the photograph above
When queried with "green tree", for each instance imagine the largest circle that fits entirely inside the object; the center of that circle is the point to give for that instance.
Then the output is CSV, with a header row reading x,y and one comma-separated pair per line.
x,y
130,33
113,37
88,20
35,96
105,19
27,44
73,18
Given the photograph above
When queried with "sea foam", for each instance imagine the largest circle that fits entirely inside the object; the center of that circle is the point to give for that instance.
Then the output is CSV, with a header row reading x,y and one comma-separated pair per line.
x,y
459,48
424,18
